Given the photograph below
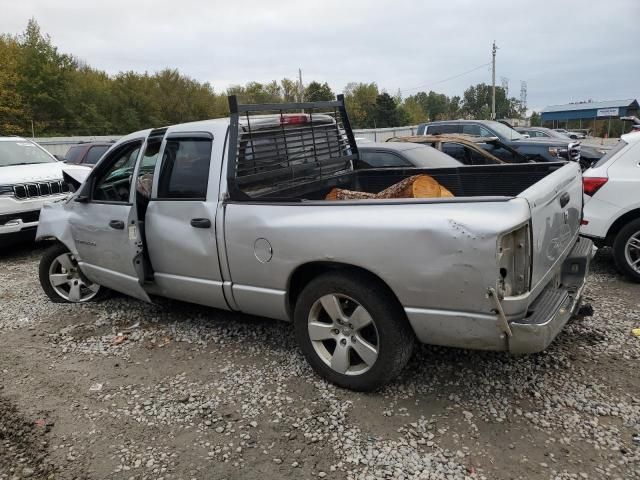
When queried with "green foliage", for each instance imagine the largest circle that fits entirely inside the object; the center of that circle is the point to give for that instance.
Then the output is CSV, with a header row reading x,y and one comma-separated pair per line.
x,y
477,103
318,92
536,120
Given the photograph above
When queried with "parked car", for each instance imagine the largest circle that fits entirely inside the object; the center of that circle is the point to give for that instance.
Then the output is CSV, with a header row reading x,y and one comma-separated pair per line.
x,y
635,122
29,177
588,154
467,149
382,155
572,135
538,149
86,154
238,218
612,204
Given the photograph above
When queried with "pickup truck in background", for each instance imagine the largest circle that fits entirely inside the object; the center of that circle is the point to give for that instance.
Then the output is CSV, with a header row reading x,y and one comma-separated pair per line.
x,y
237,218
537,149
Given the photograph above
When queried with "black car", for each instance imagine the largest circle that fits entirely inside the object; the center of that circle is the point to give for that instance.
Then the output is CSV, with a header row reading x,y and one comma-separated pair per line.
x,y
538,149
399,154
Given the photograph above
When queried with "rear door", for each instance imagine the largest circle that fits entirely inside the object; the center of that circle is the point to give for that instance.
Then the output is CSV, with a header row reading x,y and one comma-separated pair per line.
x,y
103,224
180,221
556,211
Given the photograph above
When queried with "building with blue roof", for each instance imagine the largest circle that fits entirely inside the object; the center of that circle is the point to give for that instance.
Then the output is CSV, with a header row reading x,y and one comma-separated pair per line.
x,y
599,117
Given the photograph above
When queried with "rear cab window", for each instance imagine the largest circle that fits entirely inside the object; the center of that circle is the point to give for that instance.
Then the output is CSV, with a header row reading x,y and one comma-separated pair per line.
x,y
184,172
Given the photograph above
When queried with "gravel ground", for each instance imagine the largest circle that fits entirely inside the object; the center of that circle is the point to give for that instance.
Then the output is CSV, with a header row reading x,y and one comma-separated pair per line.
x,y
125,390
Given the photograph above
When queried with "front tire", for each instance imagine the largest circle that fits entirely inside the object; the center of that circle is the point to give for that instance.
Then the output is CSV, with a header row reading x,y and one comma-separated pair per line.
x,y
352,330
626,250
61,279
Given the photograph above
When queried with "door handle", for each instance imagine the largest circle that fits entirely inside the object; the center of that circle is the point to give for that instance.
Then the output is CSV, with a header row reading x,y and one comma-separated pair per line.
x,y
564,199
201,223
117,224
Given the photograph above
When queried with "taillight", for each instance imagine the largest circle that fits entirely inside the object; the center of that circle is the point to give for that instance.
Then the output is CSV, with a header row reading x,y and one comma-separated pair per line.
x,y
294,119
590,185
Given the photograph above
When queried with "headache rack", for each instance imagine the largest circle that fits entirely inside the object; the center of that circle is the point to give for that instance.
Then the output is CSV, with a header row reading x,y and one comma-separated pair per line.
x,y
276,146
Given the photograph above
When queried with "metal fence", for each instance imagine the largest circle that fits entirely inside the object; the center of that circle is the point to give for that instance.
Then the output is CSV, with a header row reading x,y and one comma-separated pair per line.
x,y
382,134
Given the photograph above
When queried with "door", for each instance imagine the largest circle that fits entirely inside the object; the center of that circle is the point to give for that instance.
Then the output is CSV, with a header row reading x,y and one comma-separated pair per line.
x,y
180,222
103,225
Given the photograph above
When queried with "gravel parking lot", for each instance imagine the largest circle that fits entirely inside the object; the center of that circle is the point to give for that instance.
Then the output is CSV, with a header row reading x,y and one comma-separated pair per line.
x,y
121,389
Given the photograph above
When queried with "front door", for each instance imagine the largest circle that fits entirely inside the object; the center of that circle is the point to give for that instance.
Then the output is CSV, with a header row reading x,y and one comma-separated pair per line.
x,y
180,222
104,223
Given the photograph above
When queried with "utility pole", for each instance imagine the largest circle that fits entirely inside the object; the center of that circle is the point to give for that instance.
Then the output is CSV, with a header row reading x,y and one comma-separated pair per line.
x,y
33,132
493,81
300,87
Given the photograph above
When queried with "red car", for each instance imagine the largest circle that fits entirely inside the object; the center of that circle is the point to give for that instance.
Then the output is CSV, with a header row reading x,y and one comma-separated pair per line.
x,y
86,154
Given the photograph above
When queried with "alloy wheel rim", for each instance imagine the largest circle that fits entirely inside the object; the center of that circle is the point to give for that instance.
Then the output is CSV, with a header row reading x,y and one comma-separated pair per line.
x,y
632,252
343,334
65,279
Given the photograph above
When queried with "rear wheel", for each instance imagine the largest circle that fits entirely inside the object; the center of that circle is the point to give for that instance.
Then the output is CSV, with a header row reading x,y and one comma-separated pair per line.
x,y
352,330
626,250
62,280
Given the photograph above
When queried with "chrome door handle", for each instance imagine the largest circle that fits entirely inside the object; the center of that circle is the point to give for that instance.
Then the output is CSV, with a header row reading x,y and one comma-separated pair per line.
x,y
117,224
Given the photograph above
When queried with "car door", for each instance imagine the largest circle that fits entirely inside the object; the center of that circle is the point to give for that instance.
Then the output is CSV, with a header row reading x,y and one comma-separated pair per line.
x,y
103,224
180,221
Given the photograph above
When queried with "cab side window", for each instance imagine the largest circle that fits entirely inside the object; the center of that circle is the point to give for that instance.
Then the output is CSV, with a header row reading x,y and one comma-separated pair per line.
x,y
184,173
114,185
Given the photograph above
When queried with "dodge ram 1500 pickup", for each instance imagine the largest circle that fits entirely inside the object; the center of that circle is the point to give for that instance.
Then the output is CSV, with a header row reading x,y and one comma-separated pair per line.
x,y
232,213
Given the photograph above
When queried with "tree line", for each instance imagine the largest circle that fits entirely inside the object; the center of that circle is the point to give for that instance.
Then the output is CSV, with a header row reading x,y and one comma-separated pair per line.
x,y
50,93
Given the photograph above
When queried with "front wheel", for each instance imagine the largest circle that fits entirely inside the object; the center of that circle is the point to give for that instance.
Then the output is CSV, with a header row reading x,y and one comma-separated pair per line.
x,y
626,250
62,280
352,330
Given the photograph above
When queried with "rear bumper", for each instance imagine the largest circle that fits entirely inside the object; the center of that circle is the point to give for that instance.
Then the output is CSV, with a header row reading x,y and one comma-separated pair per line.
x,y
551,310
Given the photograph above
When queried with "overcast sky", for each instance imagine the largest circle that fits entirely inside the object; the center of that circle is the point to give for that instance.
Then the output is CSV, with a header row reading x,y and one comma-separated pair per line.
x,y
566,50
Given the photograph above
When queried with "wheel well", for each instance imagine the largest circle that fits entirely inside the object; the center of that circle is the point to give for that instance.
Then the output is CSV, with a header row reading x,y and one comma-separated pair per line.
x,y
301,277
619,224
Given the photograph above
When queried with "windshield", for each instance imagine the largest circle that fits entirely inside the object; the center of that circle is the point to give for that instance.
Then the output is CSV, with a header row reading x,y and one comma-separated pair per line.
x,y
21,152
505,132
619,146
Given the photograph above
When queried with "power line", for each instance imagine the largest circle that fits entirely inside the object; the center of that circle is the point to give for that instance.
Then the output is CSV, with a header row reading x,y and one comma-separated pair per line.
x,y
447,79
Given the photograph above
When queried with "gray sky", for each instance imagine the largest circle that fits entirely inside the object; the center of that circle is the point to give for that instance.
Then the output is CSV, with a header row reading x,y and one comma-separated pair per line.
x,y
566,50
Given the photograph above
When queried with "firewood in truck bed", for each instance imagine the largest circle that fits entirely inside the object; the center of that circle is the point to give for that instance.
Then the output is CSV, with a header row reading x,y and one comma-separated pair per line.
x,y
417,186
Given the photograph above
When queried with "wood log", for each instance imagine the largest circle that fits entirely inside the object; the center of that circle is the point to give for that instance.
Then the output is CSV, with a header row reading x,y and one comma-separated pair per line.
x,y
417,186
343,194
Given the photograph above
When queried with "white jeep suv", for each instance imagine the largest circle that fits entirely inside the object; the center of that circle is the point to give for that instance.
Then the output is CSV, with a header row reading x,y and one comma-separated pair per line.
x,y
29,177
612,204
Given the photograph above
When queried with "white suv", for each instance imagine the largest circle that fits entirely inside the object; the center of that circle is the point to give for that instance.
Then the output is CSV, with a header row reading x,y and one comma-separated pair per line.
x,y
29,177
612,204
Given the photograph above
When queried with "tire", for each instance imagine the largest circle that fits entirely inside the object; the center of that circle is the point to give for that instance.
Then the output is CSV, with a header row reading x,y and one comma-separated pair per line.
x,y
380,323
626,250
71,278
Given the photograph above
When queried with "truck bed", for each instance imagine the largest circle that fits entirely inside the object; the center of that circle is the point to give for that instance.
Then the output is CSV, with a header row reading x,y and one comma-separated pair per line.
x,y
466,181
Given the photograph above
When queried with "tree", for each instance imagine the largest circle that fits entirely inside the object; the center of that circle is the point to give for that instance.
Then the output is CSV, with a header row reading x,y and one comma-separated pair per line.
x,y
317,92
477,103
385,113
290,90
535,119
360,100
12,115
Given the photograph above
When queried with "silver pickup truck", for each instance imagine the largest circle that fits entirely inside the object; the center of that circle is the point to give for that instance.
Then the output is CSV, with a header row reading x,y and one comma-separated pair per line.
x,y
234,216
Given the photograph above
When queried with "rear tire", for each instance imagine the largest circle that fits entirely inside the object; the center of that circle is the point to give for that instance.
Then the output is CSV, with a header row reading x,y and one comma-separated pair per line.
x,y
626,250
62,280
352,330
